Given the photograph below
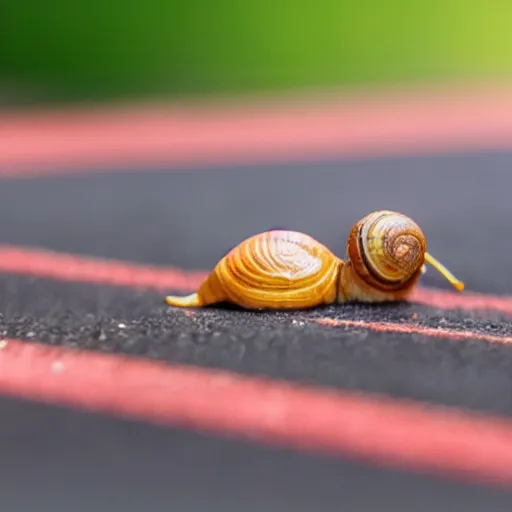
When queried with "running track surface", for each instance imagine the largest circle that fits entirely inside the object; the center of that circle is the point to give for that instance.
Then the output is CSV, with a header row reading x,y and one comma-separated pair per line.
x,y
113,401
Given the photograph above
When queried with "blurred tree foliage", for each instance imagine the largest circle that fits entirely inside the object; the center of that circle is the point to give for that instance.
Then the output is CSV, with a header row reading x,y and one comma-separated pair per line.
x,y
65,49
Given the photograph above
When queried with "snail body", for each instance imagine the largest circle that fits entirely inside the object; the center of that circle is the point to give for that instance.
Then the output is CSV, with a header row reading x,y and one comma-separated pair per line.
x,y
385,256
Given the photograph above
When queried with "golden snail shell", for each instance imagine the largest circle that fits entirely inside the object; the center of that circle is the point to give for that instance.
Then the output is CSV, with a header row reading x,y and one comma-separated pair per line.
x,y
275,270
385,256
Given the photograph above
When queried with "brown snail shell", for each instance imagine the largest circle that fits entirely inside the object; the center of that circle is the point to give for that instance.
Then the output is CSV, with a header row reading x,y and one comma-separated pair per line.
x,y
385,256
280,269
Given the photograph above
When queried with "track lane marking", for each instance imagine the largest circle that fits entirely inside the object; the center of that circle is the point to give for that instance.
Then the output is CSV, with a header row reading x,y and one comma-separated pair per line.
x,y
386,123
84,269
406,328
396,433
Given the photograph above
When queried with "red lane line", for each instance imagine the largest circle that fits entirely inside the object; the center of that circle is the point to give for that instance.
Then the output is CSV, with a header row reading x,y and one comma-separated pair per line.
x,y
69,267
415,329
438,440
467,300
353,126
66,267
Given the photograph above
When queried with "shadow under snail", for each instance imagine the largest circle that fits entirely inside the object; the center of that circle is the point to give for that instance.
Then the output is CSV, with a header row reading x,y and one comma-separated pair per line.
x,y
385,256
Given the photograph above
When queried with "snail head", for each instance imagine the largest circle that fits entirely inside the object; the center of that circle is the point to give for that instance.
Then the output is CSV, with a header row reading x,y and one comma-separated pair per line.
x,y
388,251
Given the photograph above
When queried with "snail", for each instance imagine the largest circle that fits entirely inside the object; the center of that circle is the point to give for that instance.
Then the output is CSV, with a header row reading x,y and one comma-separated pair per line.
x,y
385,256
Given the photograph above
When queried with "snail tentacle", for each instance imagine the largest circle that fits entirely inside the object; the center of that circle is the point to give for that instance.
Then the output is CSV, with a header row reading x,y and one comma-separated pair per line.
x,y
458,285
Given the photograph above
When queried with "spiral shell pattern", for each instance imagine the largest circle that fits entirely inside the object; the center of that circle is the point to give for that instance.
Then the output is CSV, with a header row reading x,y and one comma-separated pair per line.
x,y
387,249
276,269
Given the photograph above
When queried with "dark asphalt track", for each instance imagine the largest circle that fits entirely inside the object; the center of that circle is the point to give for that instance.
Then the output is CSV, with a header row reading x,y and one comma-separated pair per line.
x,y
190,219
56,459
475,374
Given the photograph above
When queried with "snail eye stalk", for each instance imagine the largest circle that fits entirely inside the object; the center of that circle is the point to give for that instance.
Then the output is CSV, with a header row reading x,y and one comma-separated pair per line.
x,y
458,285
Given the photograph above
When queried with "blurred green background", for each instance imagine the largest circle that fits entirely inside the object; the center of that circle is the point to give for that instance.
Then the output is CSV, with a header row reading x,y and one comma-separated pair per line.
x,y
61,50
